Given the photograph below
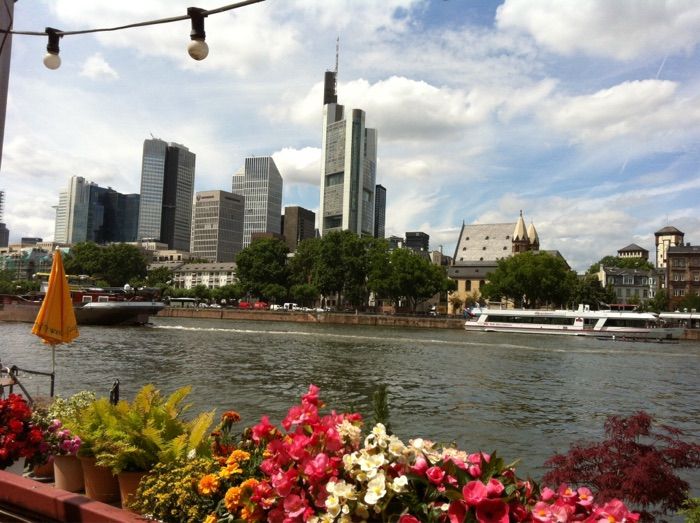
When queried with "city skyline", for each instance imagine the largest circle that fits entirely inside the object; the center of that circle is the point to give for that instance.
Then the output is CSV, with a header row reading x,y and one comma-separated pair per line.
x,y
582,115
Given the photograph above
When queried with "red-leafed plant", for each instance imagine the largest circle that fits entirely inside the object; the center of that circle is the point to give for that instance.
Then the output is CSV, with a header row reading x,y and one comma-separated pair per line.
x,y
634,463
19,438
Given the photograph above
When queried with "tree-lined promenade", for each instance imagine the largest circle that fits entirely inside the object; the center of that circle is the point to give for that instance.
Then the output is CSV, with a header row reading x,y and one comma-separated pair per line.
x,y
348,270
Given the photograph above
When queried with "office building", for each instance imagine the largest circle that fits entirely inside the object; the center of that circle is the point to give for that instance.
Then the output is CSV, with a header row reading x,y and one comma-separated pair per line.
x,y
88,212
4,232
260,183
418,241
6,20
72,212
298,224
348,167
217,226
379,210
167,190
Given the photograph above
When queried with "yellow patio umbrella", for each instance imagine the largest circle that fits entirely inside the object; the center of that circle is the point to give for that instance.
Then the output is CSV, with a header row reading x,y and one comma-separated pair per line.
x,y
55,323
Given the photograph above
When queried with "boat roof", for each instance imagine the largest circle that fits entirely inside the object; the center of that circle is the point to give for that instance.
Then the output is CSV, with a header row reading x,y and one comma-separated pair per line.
x,y
534,313
679,315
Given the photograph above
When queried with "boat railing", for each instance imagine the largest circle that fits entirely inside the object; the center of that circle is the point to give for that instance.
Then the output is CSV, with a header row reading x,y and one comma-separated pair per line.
x,y
10,378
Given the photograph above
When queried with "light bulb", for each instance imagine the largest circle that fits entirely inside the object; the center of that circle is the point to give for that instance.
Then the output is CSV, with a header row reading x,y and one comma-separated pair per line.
x,y
198,49
52,60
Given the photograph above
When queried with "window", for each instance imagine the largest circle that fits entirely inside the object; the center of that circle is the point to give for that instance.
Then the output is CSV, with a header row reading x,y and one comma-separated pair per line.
x,y
483,248
468,285
628,280
679,292
486,238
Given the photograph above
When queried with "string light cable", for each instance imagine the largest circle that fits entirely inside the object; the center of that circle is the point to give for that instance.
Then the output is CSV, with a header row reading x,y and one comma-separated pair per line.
x,y
197,48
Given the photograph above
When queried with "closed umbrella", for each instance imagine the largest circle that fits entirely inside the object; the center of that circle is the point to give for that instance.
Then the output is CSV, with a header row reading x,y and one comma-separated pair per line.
x,y
55,323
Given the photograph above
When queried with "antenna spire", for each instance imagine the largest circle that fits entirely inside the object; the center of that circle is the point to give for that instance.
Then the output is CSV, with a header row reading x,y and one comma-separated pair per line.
x,y
337,52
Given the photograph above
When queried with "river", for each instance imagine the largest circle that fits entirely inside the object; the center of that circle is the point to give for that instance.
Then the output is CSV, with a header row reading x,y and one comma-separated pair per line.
x,y
525,396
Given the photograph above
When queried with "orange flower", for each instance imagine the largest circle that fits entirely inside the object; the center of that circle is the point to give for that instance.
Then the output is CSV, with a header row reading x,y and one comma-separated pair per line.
x,y
232,499
211,518
237,456
208,485
230,416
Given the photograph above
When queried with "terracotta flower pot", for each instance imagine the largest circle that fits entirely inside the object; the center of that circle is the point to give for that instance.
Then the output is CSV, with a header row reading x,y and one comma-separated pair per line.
x,y
43,471
68,473
100,483
128,483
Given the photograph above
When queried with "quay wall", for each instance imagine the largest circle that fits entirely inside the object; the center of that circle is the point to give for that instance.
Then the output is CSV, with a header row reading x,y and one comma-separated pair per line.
x,y
314,317
334,318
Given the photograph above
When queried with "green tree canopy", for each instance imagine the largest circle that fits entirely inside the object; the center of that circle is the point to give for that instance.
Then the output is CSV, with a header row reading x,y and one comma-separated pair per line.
x,y
115,264
620,263
588,290
262,263
531,279
84,258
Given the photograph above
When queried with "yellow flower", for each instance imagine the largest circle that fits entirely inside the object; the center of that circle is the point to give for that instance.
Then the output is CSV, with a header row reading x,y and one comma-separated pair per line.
x,y
208,485
211,518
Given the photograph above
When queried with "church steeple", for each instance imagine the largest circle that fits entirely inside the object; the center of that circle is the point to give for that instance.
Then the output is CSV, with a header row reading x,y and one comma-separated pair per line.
x,y
521,242
534,237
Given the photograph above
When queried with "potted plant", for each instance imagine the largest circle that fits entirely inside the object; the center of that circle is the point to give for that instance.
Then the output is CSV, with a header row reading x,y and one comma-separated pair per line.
x,y
150,430
91,424
19,437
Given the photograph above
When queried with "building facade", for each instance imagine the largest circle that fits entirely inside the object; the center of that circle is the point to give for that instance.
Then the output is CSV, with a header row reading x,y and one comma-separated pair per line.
x,y
633,251
478,250
418,241
666,238
211,275
348,167
630,286
260,183
379,211
4,232
217,226
682,272
72,212
167,188
298,224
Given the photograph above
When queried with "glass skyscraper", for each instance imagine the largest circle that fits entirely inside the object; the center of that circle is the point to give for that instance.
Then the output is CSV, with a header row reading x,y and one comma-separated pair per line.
x,y
167,188
260,183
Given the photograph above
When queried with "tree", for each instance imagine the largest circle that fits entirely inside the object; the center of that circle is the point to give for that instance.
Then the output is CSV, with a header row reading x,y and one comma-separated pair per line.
x,y
588,290
159,277
414,279
84,258
620,263
262,263
690,301
304,293
456,302
531,279
660,302
122,262
634,463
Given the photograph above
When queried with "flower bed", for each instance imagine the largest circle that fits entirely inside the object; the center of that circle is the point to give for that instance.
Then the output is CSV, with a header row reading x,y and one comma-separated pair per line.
x,y
319,468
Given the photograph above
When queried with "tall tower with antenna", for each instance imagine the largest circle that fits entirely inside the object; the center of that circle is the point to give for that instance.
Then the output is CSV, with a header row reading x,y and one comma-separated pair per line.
x,y
348,165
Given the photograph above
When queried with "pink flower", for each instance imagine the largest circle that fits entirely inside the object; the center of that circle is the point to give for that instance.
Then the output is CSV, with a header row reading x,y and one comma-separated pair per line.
x,y
294,505
435,475
407,518
474,492
492,511
494,488
585,497
547,494
263,429
457,511
567,493
420,466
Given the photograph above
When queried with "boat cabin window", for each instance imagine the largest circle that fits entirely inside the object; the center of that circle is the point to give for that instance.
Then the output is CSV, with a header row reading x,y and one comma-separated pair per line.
x,y
87,299
102,298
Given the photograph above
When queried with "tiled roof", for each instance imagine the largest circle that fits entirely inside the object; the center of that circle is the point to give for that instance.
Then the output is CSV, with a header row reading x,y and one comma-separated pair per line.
x,y
484,242
669,229
633,247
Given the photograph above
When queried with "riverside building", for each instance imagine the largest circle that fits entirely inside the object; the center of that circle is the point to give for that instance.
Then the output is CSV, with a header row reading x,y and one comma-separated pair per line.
x,y
217,226
348,167
167,188
260,183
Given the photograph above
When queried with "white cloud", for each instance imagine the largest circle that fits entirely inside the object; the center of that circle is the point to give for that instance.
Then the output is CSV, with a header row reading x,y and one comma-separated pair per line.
x,y
299,165
620,29
96,67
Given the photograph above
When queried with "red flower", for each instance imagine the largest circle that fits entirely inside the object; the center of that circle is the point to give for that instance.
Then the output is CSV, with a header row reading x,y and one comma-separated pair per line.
x,y
492,511
435,475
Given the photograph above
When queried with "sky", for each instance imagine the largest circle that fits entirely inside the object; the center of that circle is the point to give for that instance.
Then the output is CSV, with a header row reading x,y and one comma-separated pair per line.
x,y
584,115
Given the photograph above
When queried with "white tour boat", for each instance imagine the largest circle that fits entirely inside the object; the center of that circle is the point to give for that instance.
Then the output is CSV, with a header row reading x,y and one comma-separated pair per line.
x,y
581,322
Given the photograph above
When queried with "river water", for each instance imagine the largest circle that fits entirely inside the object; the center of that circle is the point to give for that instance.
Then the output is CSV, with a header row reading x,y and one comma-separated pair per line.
x,y
525,396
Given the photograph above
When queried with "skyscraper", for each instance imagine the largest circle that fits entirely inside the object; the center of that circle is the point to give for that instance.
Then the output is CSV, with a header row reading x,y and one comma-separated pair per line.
x,y
217,225
4,232
348,167
88,212
167,188
379,211
298,224
260,183
418,241
72,212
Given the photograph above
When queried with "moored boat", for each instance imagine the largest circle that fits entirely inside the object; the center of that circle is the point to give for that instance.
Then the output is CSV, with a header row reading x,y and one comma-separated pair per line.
x,y
580,322
92,307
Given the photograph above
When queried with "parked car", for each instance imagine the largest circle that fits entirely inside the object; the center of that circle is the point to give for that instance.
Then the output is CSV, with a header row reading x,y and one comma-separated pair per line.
x,y
244,305
260,305
276,307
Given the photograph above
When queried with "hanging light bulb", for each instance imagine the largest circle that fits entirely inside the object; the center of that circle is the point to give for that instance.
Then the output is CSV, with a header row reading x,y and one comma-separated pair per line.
x,y
197,48
51,58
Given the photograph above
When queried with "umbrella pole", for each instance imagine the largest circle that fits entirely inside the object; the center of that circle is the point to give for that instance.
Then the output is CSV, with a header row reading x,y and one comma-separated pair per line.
x,y
53,367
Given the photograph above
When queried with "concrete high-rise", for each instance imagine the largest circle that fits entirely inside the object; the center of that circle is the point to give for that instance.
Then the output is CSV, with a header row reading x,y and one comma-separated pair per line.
x,y
217,225
6,19
298,224
348,167
418,241
167,188
4,232
379,211
260,183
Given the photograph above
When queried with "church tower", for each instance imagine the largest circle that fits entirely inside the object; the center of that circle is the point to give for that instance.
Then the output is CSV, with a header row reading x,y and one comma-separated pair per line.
x,y
521,241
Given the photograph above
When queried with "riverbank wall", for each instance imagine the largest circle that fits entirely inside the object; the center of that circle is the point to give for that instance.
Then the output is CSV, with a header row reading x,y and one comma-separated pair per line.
x,y
330,318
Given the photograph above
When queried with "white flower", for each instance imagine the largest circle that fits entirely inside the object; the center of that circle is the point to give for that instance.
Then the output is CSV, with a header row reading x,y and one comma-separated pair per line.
x,y
399,484
376,489
396,446
361,511
333,505
192,454
349,432
344,490
371,462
